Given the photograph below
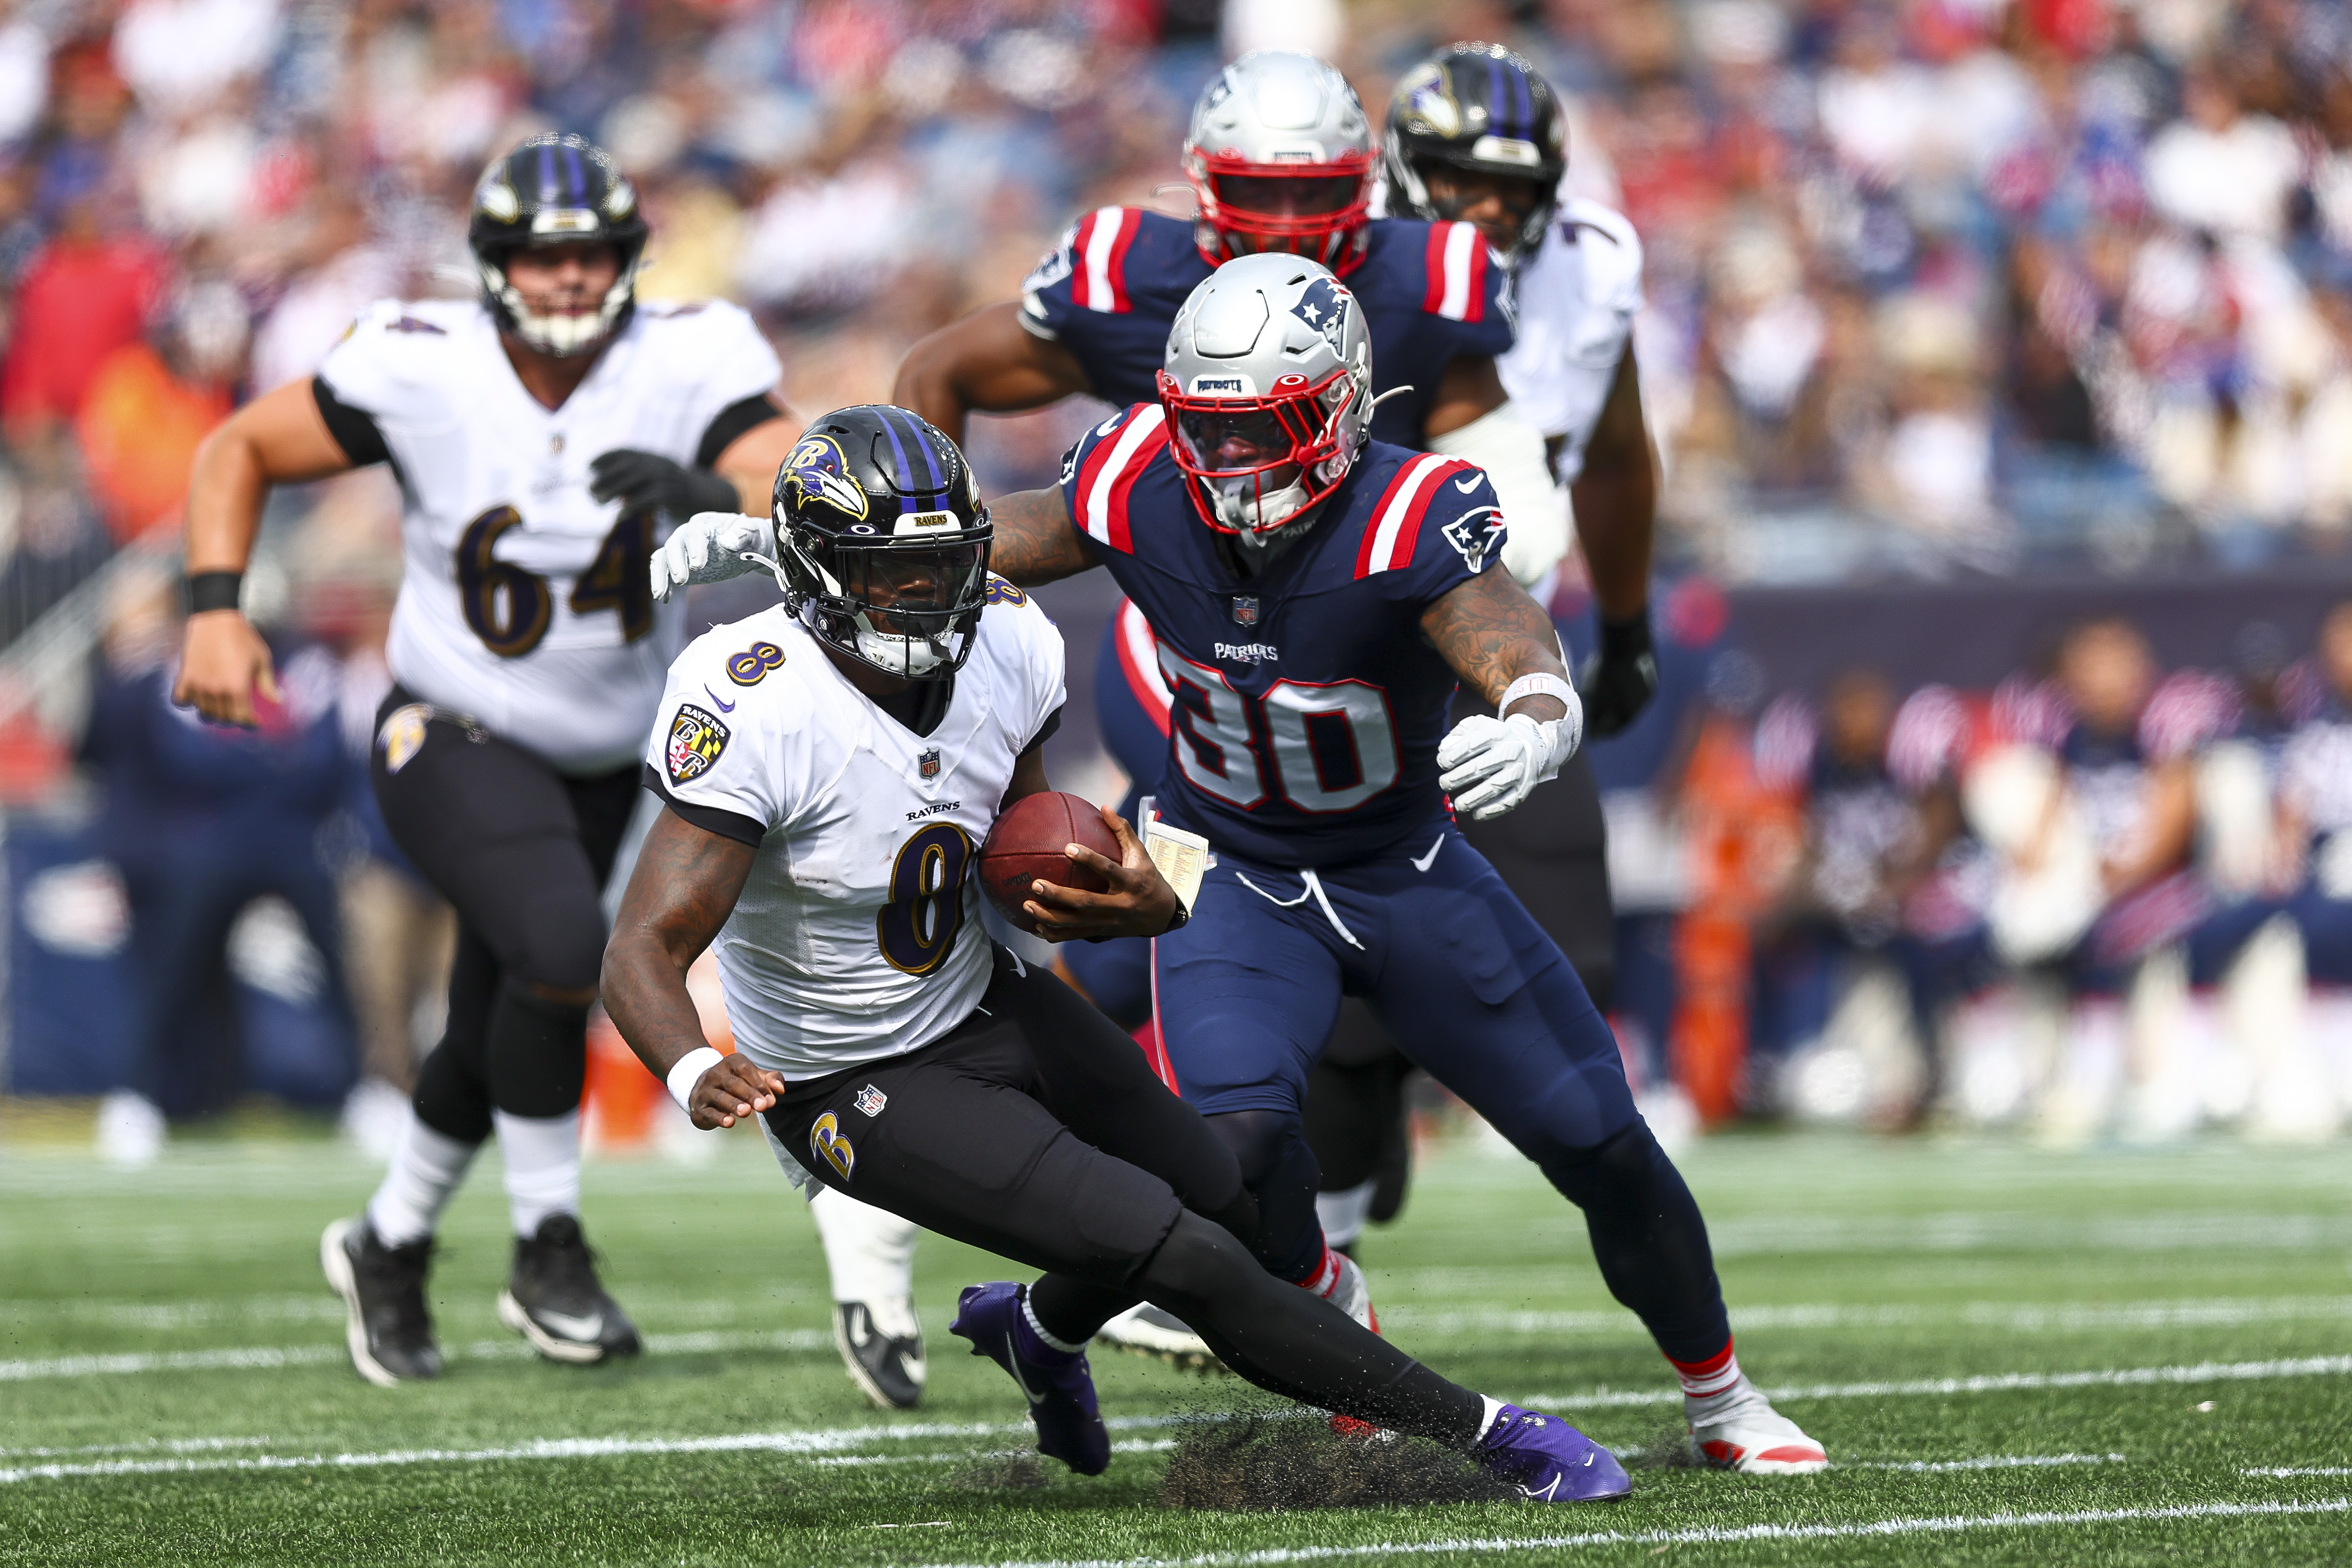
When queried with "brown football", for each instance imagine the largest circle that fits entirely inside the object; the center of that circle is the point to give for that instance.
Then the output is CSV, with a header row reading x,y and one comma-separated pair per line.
x,y
1026,847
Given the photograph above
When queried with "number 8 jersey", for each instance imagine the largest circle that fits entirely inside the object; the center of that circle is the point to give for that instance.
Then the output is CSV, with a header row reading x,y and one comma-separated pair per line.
x,y
523,602
857,934
1307,705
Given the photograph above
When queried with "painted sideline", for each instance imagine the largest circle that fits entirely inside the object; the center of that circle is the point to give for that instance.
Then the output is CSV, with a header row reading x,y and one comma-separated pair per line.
x,y
2029,1318
1990,1383
1944,1525
269,1357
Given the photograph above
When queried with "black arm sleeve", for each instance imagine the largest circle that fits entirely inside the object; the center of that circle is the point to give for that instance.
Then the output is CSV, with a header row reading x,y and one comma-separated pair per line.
x,y
731,422
354,429
726,824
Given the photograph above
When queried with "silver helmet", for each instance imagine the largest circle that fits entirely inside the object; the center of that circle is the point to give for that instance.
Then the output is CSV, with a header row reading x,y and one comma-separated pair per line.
x,y
1268,389
1280,158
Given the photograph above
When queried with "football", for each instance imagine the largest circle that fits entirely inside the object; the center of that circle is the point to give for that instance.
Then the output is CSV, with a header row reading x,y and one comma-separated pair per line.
x,y
1026,847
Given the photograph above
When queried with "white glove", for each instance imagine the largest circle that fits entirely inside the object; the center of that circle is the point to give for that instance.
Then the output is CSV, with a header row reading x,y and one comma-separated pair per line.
x,y
1490,764
707,547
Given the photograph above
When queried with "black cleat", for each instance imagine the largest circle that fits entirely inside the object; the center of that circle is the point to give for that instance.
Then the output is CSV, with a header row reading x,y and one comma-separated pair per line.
x,y
389,1332
554,1300
886,1366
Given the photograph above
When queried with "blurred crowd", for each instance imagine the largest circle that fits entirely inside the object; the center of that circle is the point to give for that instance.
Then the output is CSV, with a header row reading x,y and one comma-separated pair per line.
x,y
2099,899
1934,285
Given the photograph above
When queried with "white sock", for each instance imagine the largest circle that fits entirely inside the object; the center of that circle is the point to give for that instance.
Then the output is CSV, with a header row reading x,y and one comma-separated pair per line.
x,y
426,1168
1345,1213
542,1157
869,1251
1486,1425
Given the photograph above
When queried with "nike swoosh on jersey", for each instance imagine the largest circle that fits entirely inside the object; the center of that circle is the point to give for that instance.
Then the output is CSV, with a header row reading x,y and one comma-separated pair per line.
x,y
724,706
570,1327
1423,862
1466,484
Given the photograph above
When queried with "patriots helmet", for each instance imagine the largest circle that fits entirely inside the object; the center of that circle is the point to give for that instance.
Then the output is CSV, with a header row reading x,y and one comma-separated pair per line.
x,y
1481,108
555,190
883,541
1279,156
1268,391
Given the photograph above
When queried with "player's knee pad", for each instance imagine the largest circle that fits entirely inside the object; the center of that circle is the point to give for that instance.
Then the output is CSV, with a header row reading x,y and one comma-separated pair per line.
x,y
560,947
1197,1264
1279,1170
537,1053
452,1097
1626,1163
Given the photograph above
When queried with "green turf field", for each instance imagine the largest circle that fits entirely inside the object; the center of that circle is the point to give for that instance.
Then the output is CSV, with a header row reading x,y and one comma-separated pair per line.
x,y
2012,1356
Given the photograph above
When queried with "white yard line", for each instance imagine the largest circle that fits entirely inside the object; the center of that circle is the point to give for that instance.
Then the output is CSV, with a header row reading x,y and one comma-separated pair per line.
x,y
2301,1470
1987,1462
1716,1536
2030,1318
269,1357
1992,1382
1132,1446
833,1439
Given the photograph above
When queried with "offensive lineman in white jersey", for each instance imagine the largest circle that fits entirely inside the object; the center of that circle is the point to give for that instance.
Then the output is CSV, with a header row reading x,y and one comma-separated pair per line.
x,y
829,767
544,436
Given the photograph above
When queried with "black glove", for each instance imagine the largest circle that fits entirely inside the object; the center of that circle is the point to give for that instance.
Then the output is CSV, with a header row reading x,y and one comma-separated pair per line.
x,y
1618,681
645,481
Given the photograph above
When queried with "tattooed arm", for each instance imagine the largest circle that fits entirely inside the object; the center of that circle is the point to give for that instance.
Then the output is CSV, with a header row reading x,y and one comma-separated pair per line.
x,y
1491,634
1035,541
684,885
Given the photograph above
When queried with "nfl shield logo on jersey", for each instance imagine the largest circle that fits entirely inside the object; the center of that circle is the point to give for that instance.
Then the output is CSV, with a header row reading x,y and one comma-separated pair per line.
x,y
1245,611
870,1101
929,764
696,738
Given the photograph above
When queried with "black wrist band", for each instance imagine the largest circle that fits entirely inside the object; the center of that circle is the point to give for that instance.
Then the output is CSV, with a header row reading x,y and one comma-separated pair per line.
x,y
1626,639
1183,916
213,590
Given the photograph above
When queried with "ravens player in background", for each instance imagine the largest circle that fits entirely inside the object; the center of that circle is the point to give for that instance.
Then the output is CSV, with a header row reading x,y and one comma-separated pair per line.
x,y
897,701
1313,751
544,435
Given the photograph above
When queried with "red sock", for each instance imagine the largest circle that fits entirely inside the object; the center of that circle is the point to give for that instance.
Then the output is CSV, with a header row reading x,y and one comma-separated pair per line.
x,y
1703,1379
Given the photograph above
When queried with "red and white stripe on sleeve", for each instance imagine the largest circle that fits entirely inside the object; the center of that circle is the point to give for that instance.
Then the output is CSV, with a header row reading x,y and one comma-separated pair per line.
x,y
1098,258
1457,273
1109,472
1139,661
1395,528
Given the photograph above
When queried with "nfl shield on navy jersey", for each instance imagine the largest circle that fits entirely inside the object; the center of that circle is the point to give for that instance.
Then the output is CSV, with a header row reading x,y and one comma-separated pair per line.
x,y
1432,294
1305,705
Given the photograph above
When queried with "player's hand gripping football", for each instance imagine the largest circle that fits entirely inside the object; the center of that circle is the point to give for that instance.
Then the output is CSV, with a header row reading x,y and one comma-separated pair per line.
x,y
1139,904
223,661
707,547
734,1090
1620,679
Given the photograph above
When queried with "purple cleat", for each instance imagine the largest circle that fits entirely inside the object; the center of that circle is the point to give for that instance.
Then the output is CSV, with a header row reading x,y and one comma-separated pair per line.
x,y
1059,1386
1549,1460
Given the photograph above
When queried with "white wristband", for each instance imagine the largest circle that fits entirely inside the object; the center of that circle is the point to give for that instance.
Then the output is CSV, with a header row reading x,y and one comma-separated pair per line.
x,y
687,1071
1542,684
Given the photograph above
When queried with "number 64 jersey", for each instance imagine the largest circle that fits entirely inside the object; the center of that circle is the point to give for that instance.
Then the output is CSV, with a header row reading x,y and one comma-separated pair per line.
x,y
1307,702
524,603
857,936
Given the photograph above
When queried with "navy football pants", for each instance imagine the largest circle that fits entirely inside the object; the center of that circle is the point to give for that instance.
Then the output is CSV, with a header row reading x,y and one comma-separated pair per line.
x,y
1472,991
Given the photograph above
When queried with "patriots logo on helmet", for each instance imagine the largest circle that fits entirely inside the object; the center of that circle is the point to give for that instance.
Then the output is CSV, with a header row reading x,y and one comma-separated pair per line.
x,y
820,472
1325,307
1474,536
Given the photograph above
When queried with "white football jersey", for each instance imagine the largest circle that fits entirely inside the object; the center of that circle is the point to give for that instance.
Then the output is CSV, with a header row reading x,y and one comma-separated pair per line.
x,y
857,936
524,603
1578,297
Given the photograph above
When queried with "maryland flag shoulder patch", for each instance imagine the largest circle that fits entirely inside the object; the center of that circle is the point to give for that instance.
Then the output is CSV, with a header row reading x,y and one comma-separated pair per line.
x,y
697,736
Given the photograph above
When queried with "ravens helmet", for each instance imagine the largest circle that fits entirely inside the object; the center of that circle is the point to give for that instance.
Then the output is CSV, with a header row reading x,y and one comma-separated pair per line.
x,y
555,190
883,540
1480,108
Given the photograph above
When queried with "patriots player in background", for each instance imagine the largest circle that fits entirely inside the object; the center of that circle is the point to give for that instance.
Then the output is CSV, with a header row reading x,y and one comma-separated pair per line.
x,y
900,698
1279,156
543,433
1475,135
1312,749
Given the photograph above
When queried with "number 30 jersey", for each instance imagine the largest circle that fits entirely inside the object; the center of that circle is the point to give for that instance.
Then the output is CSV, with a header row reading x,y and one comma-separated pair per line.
x,y
523,602
1305,704
857,936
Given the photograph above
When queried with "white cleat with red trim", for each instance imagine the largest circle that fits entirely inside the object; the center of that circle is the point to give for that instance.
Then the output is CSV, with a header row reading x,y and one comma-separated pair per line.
x,y
1340,1283
1739,1430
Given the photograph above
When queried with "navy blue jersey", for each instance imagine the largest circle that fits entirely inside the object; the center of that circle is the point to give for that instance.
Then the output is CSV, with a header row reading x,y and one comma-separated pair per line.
x,y
1306,706
1110,291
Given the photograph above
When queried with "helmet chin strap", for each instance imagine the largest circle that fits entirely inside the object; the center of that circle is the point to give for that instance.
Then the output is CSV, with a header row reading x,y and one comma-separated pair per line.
x,y
560,336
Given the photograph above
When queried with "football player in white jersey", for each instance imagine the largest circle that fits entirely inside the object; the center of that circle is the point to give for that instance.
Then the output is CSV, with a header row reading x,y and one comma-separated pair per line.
x,y
544,436
830,768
